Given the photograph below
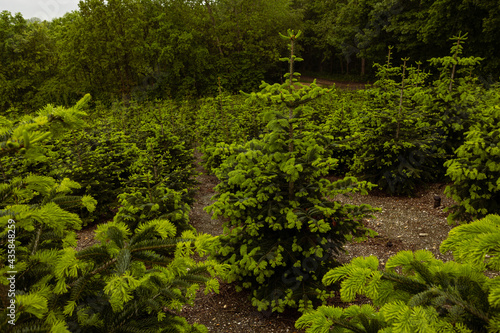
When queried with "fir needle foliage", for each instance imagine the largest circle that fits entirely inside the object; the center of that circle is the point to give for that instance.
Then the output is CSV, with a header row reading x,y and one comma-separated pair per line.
x,y
475,169
418,293
394,143
132,280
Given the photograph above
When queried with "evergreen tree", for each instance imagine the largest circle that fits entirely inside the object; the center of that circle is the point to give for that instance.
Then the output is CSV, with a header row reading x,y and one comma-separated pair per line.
x,y
283,223
130,281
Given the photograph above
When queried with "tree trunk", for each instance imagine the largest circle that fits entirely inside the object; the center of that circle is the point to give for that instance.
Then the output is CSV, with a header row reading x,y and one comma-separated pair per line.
x,y
209,10
291,185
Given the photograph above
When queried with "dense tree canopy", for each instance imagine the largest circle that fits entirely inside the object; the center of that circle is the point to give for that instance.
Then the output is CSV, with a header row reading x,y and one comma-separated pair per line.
x,y
122,49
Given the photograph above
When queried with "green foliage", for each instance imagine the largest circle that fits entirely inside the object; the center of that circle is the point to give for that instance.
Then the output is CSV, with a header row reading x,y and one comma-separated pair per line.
x,y
455,100
338,33
394,141
99,158
123,283
334,114
141,118
131,280
153,201
475,171
148,49
428,295
163,157
283,224
108,162
224,120
418,293
476,243
29,70
20,150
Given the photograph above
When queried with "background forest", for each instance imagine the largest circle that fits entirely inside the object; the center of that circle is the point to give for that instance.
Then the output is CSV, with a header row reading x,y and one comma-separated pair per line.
x,y
156,49
101,112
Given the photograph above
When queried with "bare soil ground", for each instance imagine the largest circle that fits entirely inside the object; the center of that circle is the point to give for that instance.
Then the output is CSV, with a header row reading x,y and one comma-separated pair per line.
x,y
402,224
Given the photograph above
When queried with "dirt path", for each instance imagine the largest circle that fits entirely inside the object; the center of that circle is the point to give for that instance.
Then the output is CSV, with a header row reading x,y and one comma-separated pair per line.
x,y
403,224
200,219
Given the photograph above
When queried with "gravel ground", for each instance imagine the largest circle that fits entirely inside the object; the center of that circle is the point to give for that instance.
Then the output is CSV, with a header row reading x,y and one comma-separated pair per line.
x,y
402,224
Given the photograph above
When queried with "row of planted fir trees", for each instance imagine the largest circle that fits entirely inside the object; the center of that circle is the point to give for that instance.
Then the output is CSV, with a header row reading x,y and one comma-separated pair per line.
x,y
285,227
270,151
141,270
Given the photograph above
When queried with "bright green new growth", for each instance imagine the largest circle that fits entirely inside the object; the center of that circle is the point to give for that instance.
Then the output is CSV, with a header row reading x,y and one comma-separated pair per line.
x,y
418,293
283,224
475,171
131,280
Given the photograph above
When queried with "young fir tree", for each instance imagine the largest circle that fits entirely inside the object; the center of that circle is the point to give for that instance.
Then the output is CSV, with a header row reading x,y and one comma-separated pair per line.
x,y
283,223
395,145
455,100
475,170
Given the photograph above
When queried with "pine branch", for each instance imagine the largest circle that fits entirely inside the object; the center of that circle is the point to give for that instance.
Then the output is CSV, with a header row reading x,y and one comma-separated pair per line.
x,y
157,244
405,283
152,258
93,253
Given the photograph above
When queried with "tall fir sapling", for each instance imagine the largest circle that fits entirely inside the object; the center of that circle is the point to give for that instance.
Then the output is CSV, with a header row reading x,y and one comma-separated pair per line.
x,y
475,170
454,102
394,142
283,225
